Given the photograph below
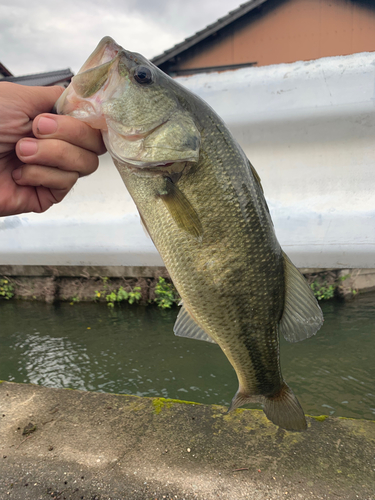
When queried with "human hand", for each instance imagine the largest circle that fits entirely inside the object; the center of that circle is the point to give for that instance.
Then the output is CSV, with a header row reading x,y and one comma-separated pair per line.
x,y
41,155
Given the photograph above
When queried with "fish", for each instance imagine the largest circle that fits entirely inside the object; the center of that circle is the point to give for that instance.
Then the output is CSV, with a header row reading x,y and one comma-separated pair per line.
x,y
202,203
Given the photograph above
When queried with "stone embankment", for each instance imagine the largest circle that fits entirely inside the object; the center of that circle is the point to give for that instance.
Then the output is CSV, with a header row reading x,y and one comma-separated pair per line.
x,y
81,283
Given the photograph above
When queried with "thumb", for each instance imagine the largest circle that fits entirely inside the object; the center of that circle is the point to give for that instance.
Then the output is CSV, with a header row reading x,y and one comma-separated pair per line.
x,y
38,100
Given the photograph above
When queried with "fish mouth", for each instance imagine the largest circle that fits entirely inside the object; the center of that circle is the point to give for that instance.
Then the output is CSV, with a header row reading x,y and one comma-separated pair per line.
x,y
106,51
82,97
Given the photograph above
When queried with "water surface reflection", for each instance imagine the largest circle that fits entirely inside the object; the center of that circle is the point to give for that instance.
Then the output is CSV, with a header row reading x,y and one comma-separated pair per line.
x,y
133,350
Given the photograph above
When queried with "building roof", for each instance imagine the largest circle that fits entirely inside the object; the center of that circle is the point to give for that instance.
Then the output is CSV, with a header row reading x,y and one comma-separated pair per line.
x,y
206,32
42,79
4,71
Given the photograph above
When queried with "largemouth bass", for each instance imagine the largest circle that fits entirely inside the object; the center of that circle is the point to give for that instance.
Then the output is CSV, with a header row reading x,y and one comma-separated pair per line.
x,y
202,203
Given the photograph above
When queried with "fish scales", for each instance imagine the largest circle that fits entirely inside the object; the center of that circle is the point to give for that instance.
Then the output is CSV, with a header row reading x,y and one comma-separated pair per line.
x,y
214,282
203,206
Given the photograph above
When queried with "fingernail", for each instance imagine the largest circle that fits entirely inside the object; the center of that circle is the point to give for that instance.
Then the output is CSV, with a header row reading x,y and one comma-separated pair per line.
x,y
46,126
17,174
28,147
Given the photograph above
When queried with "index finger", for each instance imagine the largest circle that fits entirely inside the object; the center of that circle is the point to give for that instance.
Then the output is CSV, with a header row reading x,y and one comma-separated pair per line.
x,y
68,129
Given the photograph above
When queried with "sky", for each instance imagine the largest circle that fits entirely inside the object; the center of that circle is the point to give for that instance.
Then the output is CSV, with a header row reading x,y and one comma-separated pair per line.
x,y
39,36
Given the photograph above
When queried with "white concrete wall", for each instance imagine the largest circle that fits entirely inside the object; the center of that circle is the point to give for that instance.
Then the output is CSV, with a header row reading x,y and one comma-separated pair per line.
x,y
309,130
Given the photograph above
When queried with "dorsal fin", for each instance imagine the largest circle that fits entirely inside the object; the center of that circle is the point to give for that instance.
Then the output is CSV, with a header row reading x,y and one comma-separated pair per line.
x,y
185,326
256,176
302,316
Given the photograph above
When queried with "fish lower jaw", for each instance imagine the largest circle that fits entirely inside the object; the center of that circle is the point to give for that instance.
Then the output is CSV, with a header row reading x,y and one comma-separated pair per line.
x,y
88,114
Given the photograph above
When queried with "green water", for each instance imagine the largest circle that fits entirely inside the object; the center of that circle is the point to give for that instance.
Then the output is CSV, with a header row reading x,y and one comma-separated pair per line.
x,y
133,350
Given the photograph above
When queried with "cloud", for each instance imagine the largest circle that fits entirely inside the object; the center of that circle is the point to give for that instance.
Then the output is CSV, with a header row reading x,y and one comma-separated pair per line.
x,y
53,36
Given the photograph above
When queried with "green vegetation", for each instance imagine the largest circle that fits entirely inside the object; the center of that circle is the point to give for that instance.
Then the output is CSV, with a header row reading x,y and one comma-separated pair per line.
x,y
319,418
99,293
6,289
119,295
166,294
122,295
160,403
324,290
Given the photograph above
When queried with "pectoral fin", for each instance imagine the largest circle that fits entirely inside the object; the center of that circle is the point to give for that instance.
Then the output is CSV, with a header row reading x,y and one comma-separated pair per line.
x,y
185,326
181,209
302,315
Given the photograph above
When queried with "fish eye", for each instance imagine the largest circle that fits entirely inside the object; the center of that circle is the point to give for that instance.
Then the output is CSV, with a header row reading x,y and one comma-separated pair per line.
x,y
142,74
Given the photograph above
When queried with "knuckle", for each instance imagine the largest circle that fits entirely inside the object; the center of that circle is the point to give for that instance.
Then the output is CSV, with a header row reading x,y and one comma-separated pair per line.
x,y
87,163
81,132
30,172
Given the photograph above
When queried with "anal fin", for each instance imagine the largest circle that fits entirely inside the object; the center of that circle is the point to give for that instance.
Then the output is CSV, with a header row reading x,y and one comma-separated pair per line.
x,y
186,326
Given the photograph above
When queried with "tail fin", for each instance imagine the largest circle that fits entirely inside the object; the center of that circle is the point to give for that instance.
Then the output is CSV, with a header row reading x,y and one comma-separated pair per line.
x,y
284,410
241,398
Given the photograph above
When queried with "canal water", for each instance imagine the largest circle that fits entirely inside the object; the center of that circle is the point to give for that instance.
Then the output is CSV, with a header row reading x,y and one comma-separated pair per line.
x,y
132,350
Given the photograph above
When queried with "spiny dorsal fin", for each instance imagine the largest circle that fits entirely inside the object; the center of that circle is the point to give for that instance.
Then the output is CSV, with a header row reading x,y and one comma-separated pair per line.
x,y
181,209
302,315
185,326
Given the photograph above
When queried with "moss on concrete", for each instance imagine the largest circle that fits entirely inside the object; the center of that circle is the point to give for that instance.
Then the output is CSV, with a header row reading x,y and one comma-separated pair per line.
x,y
160,403
319,418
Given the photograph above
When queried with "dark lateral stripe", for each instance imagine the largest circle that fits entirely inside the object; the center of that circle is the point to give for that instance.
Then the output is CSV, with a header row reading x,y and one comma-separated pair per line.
x,y
265,360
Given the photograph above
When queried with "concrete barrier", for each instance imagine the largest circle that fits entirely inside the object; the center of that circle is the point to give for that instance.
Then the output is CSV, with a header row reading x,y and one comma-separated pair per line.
x,y
308,128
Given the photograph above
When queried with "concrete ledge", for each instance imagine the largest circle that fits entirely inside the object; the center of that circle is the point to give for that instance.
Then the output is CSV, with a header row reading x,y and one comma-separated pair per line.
x,y
101,446
55,283
358,280
84,271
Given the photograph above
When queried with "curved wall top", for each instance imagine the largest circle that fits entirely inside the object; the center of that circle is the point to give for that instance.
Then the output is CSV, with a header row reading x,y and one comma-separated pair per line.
x,y
309,130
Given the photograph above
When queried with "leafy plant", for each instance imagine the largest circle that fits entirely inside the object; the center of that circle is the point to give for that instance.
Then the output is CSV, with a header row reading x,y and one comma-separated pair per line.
x,y
98,293
111,298
166,294
134,295
121,295
6,289
323,291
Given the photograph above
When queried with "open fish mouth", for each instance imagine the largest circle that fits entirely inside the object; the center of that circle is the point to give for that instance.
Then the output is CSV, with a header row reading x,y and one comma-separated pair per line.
x,y
83,97
105,52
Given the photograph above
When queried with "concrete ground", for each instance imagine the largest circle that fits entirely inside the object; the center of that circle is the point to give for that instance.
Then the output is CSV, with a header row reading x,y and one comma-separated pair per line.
x,y
65,444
